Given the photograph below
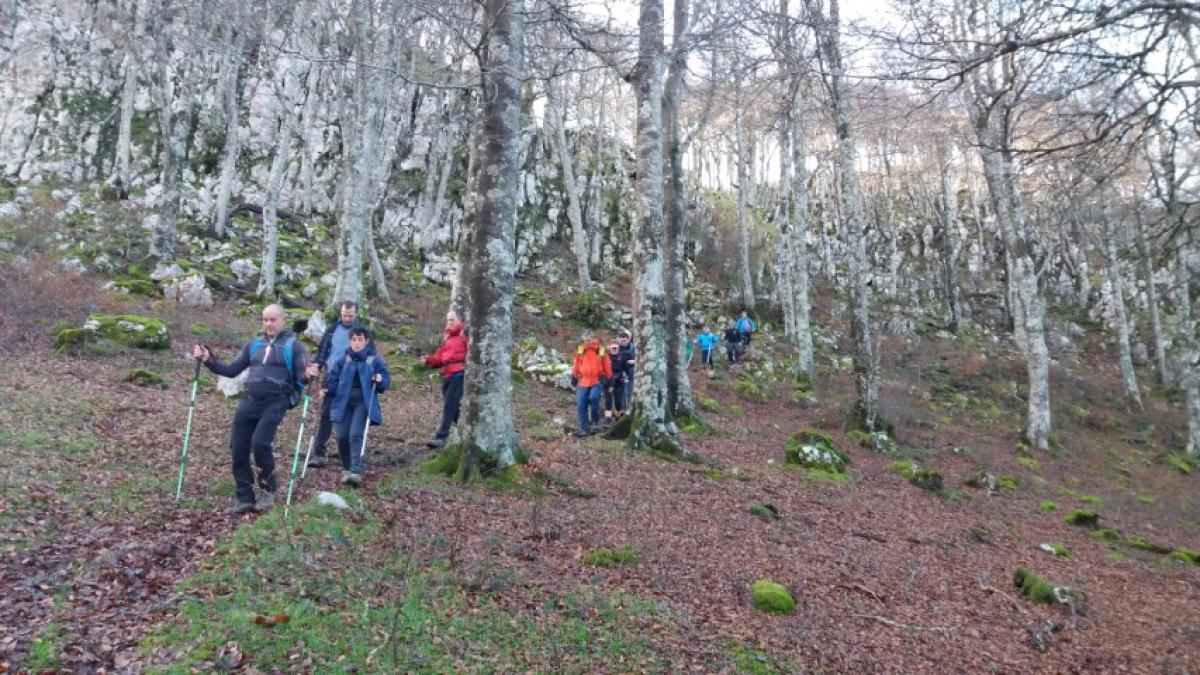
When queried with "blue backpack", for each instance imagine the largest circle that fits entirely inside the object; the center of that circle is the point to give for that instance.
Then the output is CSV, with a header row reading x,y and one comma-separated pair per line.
x,y
287,358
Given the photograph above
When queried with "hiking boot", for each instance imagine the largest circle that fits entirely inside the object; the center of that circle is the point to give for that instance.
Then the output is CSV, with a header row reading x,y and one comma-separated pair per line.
x,y
265,501
435,443
317,462
346,477
353,480
581,434
239,508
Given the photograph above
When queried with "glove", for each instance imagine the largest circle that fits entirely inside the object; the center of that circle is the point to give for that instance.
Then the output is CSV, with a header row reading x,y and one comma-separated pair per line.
x,y
431,361
574,381
378,377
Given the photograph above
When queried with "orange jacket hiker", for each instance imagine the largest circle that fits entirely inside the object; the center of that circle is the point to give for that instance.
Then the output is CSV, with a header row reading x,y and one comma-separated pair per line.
x,y
591,364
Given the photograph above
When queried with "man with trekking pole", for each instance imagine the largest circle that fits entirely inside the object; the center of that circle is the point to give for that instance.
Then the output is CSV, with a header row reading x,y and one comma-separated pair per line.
x,y
277,362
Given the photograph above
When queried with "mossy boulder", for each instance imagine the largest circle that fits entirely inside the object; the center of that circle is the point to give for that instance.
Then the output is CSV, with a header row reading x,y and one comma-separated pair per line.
x,y
1142,544
128,330
926,479
1083,518
1038,590
1058,551
772,597
879,441
610,557
814,450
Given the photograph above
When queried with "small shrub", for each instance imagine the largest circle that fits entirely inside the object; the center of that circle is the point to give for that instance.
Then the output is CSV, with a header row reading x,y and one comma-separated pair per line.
x,y
610,557
588,309
772,597
765,511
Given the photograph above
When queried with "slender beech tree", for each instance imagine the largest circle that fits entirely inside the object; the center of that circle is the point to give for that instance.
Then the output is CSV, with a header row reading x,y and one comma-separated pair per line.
x,y
866,406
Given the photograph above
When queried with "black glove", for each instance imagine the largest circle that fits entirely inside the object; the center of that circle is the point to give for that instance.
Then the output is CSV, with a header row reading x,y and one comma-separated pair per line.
x,y
574,381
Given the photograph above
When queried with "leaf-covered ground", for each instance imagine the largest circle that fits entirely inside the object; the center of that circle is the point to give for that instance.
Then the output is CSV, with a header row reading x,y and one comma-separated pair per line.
x,y
101,569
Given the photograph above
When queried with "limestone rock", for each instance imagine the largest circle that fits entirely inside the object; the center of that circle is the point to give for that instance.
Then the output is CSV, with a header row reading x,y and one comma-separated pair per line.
x,y
316,326
190,291
164,272
440,272
129,330
243,269
332,499
232,386
72,265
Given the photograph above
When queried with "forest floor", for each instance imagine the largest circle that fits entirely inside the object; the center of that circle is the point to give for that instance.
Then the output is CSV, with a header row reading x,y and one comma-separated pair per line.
x,y
101,570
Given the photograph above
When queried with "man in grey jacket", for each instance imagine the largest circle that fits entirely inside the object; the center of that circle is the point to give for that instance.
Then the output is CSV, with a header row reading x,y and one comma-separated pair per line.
x,y
276,361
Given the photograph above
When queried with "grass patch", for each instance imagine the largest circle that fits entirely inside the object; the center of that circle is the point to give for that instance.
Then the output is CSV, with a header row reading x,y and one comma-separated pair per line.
x,y
610,557
338,591
1048,505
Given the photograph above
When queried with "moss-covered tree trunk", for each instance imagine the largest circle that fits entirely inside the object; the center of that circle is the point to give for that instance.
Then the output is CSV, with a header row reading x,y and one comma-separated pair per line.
x,y
489,436
650,422
680,402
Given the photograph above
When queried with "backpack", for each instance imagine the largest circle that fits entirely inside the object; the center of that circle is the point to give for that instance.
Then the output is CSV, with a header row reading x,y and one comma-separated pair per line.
x,y
287,359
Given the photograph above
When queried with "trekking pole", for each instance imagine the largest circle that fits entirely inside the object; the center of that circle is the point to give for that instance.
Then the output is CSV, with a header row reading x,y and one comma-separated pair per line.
x,y
362,453
296,454
187,434
307,455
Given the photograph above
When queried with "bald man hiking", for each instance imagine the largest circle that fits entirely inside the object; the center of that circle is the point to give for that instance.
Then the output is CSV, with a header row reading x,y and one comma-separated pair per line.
x,y
276,361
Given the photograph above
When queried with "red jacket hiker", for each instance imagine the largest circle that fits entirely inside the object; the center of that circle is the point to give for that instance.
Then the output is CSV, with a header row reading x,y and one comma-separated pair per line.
x,y
451,357
591,364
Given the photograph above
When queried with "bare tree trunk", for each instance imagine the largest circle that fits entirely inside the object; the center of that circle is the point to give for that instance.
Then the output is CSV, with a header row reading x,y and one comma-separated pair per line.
x,y
490,439
124,175
799,238
378,277
949,218
460,293
866,381
743,197
283,146
178,88
1128,376
1186,348
556,111
679,386
1161,372
232,150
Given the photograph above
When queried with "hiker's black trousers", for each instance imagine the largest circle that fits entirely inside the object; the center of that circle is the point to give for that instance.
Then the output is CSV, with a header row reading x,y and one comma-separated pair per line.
x,y
254,426
324,427
452,393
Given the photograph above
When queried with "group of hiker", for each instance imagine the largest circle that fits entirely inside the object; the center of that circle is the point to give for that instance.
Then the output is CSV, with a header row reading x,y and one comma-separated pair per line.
x,y
351,375
737,338
354,377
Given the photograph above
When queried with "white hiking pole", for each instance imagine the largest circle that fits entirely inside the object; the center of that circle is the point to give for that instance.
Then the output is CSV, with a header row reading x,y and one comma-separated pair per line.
x,y
307,455
362,453
296,454
187,435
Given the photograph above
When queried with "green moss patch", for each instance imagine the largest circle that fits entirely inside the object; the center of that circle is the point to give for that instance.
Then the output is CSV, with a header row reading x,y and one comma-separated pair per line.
x,y
1040,591
772,597
1092,500
1185,556
1180,463
145,378
1143,544
1058,551
765,511
610,557
1083,518
1048,505
879,441
1007,483
1105,534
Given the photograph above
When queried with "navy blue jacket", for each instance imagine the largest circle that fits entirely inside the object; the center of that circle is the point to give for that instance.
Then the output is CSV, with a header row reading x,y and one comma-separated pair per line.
x,y
622,364
268,366
326,345
340,380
